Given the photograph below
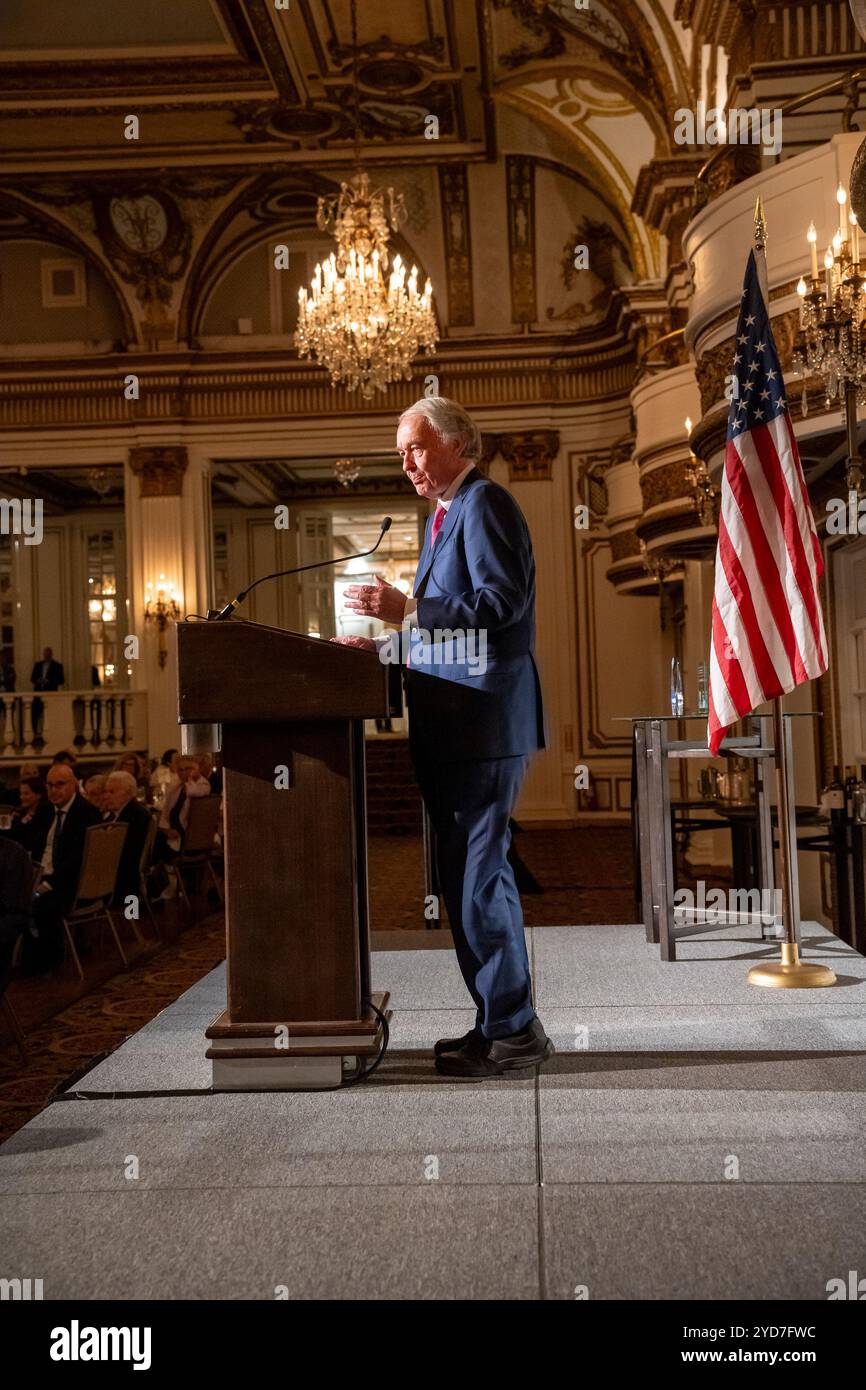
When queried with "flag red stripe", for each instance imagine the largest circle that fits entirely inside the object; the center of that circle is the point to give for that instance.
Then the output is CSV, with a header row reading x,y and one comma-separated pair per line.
x,y
764,559
804,493
778,485
730,667
767,674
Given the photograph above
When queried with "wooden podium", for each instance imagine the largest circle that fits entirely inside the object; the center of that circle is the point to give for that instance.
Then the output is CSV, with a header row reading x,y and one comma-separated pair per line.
x,y
297,918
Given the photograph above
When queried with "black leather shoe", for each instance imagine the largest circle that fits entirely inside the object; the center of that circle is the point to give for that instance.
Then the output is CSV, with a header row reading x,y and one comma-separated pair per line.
x,y
482,1056
455,1044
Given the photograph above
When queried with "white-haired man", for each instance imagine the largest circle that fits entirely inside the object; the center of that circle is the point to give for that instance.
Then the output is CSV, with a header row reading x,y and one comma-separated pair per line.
x,y
119,799
472,732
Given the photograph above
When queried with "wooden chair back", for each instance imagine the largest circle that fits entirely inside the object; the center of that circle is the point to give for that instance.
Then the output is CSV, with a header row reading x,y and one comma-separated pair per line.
x,y
103,846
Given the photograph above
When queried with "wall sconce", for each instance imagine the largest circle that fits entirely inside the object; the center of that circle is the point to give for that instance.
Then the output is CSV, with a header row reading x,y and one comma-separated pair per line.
x,y
161,608
704,490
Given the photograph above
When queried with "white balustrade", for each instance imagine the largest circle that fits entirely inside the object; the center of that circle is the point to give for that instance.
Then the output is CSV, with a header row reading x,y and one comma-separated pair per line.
x,y
94,724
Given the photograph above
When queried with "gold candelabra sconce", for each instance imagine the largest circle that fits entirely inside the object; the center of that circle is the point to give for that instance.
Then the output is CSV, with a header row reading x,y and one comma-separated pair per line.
x,y
831,343
161,609
658,566
347,471
706,494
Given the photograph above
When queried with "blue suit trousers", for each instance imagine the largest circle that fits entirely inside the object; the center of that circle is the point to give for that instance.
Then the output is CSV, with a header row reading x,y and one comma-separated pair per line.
x,y
470,804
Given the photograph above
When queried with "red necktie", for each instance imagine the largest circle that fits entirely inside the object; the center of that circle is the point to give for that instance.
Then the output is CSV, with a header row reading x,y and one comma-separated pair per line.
x,y
438,518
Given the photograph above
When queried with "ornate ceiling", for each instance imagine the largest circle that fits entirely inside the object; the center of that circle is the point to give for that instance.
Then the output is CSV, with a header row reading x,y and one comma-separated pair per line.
x,y
241,112
222,81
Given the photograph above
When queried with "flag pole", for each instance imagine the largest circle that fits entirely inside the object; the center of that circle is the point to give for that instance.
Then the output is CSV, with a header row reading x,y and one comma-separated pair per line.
x,y
790,972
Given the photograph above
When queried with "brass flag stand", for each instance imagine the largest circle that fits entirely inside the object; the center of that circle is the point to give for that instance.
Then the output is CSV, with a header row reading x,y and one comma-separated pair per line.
x,y
790,972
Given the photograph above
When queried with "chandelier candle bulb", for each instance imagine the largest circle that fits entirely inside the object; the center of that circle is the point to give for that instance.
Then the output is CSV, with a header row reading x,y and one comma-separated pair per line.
x,y
855,238
828,269
812,238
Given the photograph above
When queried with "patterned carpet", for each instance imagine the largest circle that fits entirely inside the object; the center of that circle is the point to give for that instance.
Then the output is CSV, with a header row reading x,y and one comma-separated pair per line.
x,y
586,876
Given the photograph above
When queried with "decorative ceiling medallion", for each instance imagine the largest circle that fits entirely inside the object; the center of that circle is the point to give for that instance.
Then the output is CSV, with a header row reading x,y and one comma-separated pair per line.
x,y
300,121
145,237
392,74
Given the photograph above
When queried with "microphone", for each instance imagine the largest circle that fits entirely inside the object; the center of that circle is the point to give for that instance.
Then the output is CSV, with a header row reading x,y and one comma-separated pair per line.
x,y
218,617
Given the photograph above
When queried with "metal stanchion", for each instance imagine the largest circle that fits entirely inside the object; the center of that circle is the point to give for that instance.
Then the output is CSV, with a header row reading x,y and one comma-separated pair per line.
x,y
790,972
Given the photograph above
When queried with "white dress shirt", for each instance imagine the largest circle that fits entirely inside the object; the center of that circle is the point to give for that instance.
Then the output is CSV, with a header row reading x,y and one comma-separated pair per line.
x,y
56,825
445,501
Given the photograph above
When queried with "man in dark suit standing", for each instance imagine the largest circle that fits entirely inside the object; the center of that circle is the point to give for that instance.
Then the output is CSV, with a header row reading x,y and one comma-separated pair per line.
x,y
47,674
61,856
475,719
120,805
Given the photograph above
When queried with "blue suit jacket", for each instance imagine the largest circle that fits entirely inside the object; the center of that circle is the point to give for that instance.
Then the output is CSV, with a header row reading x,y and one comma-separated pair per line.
x,y
478,578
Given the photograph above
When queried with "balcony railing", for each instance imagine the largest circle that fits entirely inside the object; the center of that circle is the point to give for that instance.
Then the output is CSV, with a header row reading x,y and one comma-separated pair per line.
x,y
95,724
732,164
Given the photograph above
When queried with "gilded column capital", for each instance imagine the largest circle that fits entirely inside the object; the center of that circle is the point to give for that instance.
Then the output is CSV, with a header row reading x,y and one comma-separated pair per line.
x,y
159,469
529,454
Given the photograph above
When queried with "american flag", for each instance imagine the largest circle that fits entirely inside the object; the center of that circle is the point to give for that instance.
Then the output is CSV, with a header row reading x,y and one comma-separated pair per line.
x,y
768,628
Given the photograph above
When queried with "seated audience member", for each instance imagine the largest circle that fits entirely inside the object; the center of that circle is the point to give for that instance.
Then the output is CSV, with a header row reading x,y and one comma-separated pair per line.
x,y
16,894
121,805
135,766
213,774
32,819
175,811
61,855
66,757
11,796
174,816
94,790
165,772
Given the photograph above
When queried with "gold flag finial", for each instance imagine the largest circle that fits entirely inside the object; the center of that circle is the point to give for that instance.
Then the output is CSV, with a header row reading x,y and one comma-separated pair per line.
x,y
760,226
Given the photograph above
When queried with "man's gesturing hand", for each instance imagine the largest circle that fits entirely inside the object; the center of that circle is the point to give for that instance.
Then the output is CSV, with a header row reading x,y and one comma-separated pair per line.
x,y
365,643
379,600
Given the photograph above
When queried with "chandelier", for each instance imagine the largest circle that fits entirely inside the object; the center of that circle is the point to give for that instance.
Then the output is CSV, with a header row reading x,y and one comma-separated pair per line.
x,y
346,471
831,343
363,323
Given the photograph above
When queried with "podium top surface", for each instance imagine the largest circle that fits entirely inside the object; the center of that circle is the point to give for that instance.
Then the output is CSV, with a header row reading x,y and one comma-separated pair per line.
x,y
238,672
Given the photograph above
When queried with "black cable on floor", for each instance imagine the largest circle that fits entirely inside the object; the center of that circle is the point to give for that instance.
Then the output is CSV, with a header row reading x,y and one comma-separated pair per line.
x,y
386,1034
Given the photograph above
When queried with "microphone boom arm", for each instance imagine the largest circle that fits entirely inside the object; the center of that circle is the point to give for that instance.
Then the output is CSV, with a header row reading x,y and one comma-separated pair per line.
x,y
229,609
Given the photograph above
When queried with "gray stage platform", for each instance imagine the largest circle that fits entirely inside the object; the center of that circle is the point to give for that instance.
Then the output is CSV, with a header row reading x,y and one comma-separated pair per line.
x,y
694,1138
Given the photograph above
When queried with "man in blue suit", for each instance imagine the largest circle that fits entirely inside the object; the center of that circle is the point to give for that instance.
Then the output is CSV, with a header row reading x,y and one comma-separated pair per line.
x,y
475,717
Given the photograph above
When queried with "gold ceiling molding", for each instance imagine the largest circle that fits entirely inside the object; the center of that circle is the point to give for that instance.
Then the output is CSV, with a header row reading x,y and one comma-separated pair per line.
x,y
59,395
599,30
572,104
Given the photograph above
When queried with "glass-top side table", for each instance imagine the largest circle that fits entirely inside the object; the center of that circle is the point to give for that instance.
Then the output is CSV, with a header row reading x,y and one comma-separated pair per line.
x,y
652,746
